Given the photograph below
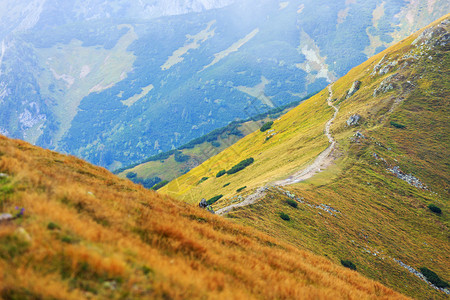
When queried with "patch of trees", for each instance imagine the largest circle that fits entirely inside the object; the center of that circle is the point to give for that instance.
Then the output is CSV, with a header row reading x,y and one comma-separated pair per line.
x,y
241,189
214,199
221,173
148,183
266,126
180,157
433,278
160,185
240,166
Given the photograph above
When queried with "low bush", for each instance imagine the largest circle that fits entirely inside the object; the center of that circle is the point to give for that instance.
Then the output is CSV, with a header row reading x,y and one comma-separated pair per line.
x,y
226,184
214,199
240,166
292,203
215,144
284,216
221,173
348,264
266,126
241,189
435,209
397,125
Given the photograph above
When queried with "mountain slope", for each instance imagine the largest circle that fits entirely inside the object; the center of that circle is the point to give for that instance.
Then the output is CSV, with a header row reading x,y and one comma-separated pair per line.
x,y
84,233
169,165
390,164
115,82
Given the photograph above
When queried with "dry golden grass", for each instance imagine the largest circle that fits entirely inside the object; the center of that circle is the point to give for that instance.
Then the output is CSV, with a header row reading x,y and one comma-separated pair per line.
x,y
114,239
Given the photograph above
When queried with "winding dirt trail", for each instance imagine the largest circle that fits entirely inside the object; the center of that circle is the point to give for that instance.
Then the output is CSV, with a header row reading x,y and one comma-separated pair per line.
x,y
319,164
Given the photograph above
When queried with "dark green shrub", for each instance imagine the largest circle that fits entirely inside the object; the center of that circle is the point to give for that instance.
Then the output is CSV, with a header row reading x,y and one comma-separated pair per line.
x,y
292,203
435,209
284,216
397,125
180,157
69,240
266,126
53,226
203,179
241,189
160,185
240,166
226,184
348,264
221,173
433,278
215,144
214,199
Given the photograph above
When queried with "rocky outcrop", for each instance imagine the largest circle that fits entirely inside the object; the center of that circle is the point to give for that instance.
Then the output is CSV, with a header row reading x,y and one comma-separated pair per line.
x,y
410,179
353,120
385,86
355,87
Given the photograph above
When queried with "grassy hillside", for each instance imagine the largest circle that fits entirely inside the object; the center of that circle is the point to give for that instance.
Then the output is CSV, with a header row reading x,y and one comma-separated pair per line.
x,y
80,232
382,216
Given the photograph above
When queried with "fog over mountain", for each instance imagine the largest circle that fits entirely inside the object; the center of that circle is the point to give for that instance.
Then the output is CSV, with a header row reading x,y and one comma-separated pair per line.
x,y
116,81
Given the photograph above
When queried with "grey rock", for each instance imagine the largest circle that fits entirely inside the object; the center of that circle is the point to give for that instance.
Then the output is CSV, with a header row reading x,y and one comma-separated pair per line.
x,y
353,120
6,217
203,203
355,87
359,135
3,175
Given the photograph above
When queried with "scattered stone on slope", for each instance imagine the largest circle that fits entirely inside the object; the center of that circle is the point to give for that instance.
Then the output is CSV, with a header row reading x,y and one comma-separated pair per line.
x,y
353,120
357,137
355,87
3,175
386,85
410,179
